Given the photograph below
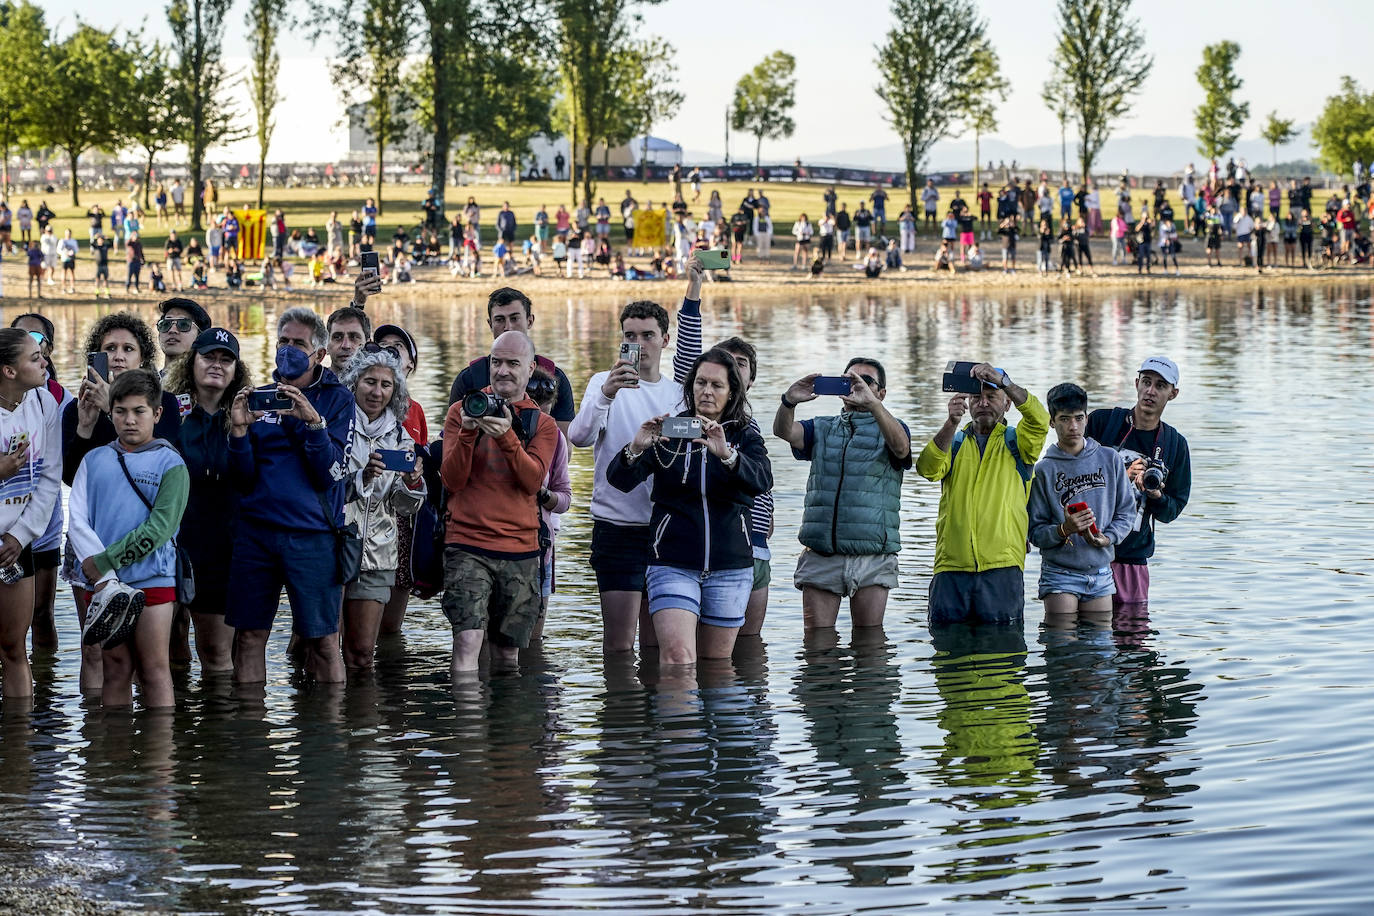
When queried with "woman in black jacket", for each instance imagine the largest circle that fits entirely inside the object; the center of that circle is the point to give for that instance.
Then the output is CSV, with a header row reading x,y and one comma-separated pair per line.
x,y
701,568
206,380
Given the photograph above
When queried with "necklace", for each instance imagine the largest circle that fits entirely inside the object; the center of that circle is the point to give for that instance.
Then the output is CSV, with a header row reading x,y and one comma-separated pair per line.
x,y
14,404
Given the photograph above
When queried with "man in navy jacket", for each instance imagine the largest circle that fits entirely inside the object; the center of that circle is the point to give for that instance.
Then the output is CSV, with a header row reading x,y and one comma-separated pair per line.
x,y
291,468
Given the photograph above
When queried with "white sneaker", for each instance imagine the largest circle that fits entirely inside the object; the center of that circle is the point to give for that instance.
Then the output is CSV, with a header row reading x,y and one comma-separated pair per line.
x,y
112,615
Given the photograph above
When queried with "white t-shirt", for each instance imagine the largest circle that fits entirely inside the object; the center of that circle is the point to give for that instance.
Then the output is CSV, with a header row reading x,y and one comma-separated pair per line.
x,y
178,194
608,425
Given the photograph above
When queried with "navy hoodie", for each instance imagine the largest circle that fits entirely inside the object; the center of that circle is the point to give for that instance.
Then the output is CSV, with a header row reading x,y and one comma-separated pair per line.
x,y
282,468
1112,427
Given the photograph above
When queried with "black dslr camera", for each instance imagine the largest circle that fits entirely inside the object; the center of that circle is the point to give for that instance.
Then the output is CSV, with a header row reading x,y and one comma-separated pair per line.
x,y
1154,475
478,404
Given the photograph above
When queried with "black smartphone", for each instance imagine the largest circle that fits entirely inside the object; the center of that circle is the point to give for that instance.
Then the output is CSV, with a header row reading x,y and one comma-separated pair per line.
x,y
398,459
100,362
833,384
958,379
370,263
266,399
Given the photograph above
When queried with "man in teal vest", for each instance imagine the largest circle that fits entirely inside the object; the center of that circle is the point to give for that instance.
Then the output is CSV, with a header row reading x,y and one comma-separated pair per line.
x,y
984,471
851,522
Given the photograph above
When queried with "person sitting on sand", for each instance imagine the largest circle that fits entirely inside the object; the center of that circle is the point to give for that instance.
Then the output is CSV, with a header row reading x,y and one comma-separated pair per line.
x,y
943,261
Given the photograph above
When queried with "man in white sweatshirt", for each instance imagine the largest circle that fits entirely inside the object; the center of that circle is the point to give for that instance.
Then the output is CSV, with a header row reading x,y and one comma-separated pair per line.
x,y
614,406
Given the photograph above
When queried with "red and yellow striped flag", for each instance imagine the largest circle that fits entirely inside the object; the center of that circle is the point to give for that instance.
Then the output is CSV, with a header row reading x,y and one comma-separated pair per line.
x,y
252,234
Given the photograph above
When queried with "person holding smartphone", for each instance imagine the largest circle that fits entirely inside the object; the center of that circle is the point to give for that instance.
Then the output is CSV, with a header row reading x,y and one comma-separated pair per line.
x,y
384,484
851,525
1080,508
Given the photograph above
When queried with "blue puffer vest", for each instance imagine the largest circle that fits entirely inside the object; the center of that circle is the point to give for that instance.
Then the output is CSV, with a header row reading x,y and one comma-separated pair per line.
x,y
854,494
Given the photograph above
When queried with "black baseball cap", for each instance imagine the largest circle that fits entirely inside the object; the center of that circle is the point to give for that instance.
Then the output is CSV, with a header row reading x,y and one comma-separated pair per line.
x,y
213,339
191,307
398,331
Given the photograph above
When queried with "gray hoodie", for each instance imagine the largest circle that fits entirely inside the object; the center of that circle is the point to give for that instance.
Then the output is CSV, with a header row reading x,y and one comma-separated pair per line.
x,y
1096,476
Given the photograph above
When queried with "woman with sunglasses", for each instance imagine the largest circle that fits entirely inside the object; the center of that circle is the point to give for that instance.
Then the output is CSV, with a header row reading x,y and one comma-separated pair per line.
x,y
127,344
379,490
47,549
393,615
30,485
207,377
701,564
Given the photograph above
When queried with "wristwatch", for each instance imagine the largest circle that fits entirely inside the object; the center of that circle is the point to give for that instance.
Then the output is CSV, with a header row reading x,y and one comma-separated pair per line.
x,y
315,426
786,403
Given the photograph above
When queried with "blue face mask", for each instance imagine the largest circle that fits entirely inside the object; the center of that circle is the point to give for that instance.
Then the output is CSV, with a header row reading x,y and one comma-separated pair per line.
x,y
291,363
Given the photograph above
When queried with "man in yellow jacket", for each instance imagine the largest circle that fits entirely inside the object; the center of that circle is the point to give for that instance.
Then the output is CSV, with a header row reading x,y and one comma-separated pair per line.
x,y
984,471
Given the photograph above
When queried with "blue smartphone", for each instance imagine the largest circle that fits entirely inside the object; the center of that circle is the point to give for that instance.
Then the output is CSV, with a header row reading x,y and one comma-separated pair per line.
x,y
832,384
398,459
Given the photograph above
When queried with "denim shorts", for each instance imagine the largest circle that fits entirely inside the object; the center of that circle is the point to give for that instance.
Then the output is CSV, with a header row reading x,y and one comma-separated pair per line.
x,y
718,597
1085,585
266,559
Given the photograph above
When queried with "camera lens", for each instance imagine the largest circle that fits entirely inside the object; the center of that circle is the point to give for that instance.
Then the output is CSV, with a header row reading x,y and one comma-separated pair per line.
x,y
1153,478
477,404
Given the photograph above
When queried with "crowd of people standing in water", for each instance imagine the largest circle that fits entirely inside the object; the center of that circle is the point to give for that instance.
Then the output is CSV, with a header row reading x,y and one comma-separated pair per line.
x,y
199,494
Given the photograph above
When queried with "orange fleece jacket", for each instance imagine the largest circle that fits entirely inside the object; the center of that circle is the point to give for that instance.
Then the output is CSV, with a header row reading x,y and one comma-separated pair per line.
x,y
492,483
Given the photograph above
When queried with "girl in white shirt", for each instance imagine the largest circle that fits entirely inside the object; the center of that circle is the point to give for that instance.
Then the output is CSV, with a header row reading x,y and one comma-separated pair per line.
x,y
801,253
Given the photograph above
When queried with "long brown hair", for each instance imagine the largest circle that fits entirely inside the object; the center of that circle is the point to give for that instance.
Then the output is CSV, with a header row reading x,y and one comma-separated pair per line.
x,y
181,379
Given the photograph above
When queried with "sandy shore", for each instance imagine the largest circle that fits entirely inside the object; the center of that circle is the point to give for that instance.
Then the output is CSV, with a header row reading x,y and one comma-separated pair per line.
x,y
44,891
772,276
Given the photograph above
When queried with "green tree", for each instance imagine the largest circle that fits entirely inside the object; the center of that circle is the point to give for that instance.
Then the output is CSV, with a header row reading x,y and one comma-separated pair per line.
x,y
1276,132
197,39
922,66
1344,131
763,99
155,121
987,89
644,78
589,37
518,91
1100,60
1056,100
264,20
1219,118
23,35
82,100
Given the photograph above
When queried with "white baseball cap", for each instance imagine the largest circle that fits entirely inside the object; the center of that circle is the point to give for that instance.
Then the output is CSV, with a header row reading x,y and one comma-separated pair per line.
x,y
1162,366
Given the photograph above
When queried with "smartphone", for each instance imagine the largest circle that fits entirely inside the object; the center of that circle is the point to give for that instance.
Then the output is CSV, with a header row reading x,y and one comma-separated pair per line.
x,y
100,362
266,399
714,258
1075,508
398,459
369,263
958,379
681,428
832,384
629,353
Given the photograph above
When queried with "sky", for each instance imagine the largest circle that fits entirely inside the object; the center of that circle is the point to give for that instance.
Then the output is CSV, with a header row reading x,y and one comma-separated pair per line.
x,y
834,41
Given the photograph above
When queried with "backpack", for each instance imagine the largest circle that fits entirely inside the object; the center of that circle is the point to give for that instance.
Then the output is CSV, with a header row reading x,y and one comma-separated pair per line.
x,y
431,521
1008,436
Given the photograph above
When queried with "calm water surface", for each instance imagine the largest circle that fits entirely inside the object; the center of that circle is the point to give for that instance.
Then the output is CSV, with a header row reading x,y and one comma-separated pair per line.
x,y
1213,757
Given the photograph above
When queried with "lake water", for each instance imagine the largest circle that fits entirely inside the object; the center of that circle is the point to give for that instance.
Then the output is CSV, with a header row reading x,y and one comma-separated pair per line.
x,y
1214,757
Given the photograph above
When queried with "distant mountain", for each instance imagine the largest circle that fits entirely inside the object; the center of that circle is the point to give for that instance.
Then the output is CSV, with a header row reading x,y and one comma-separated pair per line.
x,y
1142,154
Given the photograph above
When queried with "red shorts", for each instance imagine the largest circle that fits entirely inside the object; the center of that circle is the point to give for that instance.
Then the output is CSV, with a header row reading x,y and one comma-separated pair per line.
x,y
152,597
1132,583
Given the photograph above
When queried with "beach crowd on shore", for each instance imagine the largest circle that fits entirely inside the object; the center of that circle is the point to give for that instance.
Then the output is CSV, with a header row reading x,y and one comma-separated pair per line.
x,y
197,497
1235,218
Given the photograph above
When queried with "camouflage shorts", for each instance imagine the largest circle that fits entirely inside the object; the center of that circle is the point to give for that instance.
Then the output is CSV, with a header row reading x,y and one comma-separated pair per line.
x,y
484,593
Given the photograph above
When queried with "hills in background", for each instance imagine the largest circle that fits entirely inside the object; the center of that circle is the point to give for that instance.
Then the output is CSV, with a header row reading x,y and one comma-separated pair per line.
x,y
1142,154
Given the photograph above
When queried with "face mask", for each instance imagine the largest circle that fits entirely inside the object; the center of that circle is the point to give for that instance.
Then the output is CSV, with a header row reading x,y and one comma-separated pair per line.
x,y
291,363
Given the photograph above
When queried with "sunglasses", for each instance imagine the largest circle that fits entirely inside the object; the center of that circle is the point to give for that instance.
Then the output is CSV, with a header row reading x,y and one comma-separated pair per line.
x,y
870,381
183,325
41,338
374,347
541,389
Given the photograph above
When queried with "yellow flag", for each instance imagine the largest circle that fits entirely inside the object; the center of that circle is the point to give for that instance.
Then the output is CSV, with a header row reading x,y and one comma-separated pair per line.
x,y
252,234
651,230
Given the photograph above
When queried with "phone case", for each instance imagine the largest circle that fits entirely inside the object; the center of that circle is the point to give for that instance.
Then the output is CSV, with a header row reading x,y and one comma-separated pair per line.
x,y
832,384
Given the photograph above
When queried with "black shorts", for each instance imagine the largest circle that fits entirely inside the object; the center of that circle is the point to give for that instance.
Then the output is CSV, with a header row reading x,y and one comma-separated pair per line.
x,y
992,596
47,559
620,556
25,563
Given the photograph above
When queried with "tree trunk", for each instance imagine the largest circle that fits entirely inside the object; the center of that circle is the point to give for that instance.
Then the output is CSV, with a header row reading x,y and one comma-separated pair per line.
x,y
262,169
74,157
381,149
1273,150
147,180
911,176
1063,147
588,186
758,147
572,162
438,52
5,163
977,159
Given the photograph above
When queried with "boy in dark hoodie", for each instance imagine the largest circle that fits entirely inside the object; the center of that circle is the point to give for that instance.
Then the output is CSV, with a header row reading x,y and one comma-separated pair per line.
x,y
1077,547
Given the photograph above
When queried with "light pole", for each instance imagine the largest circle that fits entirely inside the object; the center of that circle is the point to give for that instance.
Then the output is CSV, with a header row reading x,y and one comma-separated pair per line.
x,y
727,135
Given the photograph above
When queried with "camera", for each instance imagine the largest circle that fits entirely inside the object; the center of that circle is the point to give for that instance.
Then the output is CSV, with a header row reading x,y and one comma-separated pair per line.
x,y
478,404
1154,475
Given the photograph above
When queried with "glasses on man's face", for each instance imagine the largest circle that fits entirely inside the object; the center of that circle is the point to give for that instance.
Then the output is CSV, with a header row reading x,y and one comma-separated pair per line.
x,y
870,381
374,347
183,325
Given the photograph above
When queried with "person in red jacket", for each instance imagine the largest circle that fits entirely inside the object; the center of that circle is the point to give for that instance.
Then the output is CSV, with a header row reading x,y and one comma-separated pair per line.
x,y
493,468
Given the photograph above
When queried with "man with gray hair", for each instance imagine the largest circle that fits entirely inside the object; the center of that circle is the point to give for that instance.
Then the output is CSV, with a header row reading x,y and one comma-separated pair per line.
x,y
290,462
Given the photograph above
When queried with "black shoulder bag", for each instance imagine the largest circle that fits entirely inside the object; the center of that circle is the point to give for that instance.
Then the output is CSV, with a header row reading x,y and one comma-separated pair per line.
x,y
185,574
348,546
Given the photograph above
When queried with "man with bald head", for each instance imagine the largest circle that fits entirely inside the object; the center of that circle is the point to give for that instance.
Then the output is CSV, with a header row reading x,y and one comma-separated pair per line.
x,y
497,449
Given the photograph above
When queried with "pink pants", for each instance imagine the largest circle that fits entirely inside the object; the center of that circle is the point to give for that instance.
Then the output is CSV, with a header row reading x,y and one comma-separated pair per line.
x,y
1132,583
